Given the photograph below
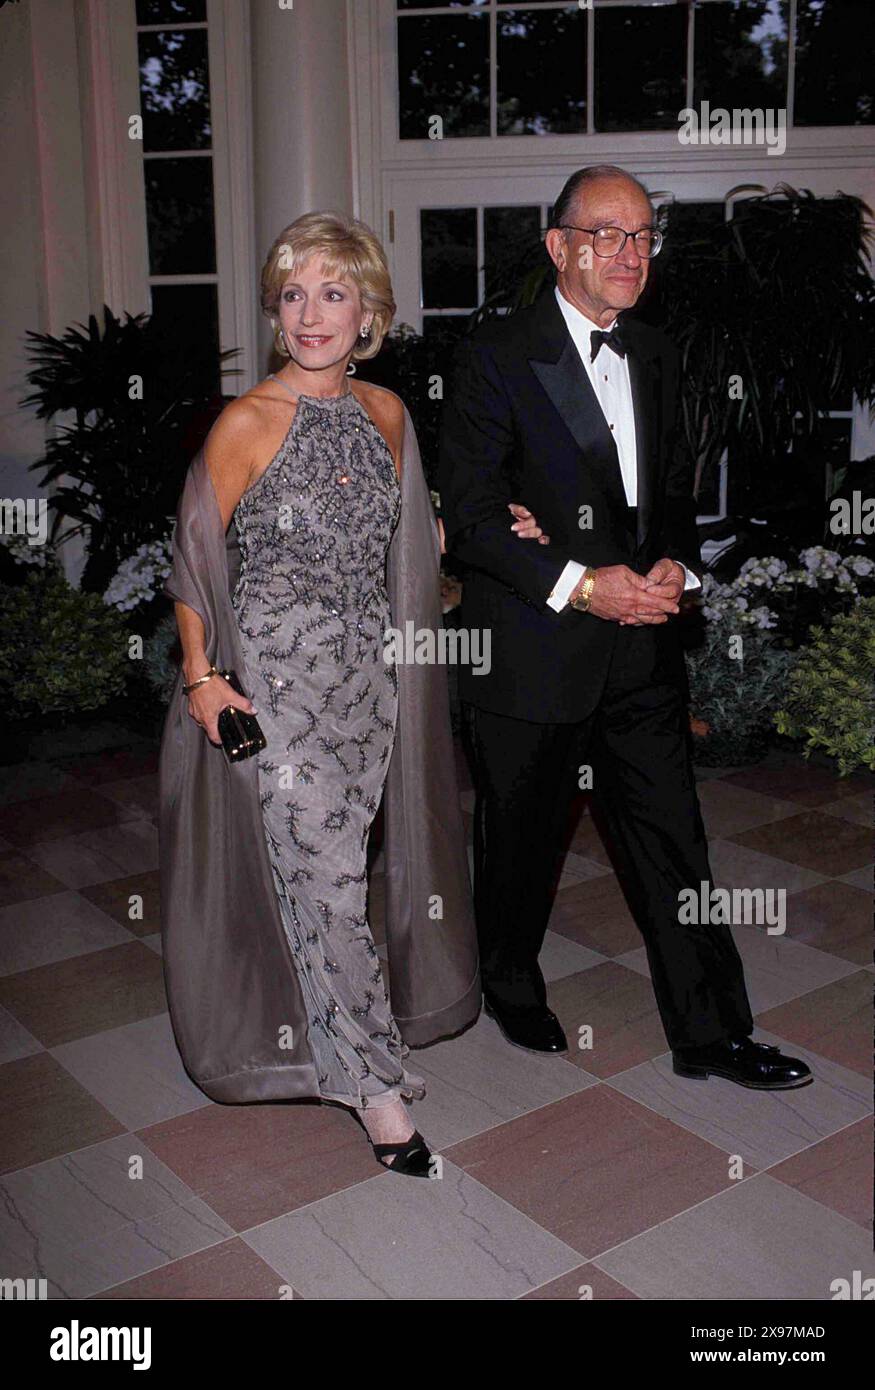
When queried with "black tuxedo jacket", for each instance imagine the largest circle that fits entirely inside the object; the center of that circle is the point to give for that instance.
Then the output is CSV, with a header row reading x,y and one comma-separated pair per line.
x,y
523,424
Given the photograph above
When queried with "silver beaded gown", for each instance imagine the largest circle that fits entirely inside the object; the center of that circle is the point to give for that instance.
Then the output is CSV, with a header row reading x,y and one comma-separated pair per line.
x,y
312,606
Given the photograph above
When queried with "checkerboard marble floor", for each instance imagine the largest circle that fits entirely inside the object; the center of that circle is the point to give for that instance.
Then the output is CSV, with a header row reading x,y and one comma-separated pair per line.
x,y
599,1173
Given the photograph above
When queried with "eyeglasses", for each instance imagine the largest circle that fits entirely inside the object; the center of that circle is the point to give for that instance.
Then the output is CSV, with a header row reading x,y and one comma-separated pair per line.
x,y
609,241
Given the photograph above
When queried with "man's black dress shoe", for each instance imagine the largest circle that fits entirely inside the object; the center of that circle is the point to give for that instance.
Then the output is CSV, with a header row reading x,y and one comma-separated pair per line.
x,y
537,1030
744,1061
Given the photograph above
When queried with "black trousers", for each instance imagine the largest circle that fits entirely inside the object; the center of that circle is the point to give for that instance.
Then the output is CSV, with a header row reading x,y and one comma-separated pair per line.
x,y
526,777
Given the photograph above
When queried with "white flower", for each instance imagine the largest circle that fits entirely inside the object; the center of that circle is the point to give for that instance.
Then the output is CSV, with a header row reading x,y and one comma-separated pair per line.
x,y
138,578
23,553
763,617
817,560
859,565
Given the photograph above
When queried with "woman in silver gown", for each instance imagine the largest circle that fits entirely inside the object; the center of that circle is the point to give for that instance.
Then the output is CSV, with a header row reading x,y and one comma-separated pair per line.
x,y
313,484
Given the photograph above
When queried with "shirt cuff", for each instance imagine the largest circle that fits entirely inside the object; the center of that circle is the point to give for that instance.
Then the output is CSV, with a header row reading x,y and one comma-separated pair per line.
x,y
690,579
565,585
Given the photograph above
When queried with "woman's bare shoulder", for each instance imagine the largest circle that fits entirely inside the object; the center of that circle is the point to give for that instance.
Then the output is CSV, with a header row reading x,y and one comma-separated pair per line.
x,y
239,433
381,398
387,412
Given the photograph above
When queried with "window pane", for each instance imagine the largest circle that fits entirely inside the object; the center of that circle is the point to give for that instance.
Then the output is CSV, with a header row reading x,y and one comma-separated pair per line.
x,y
174,90
189,314
443,70
438,4
513,244
640,67
541,72
444,328
449,257
171,11
179,212
835,71
741,54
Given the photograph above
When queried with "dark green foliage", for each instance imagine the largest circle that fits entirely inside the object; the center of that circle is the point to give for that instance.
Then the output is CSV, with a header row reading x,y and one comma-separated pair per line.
x,y
118,463
62,650
831,698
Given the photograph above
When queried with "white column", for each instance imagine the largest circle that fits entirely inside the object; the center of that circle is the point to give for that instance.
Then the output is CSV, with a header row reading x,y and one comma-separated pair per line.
x,y
301,117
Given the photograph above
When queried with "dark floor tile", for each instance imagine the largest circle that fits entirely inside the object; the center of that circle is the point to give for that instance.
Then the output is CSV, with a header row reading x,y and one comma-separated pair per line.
x,y
227,1271
54,817
835,1021
113,898
808,784
86,994
836,1172
251,1163
612,1012
595,914
46,1113
21,880
825,844
833,917
594,1169
111,764
584,1284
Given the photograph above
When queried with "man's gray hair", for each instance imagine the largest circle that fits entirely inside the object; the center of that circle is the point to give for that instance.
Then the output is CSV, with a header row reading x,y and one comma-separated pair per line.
x,y
580,179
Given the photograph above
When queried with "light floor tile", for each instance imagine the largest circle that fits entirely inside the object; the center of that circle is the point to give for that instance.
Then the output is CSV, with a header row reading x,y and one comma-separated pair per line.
x,y
560,957
42,930
134,1071
737,866
758,1240
479,1080
776,969
763,1127
15,1040
98,855
411,1238
84,1223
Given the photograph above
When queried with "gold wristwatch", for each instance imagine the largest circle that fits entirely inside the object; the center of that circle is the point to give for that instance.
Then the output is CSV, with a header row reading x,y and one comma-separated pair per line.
x,y
583,601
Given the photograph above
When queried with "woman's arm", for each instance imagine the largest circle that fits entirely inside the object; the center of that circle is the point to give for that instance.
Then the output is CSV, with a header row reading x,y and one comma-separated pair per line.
x,y
229,450
191,635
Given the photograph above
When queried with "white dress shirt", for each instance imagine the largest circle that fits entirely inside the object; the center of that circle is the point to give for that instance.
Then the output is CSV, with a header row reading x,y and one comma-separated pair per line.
x,y
609,377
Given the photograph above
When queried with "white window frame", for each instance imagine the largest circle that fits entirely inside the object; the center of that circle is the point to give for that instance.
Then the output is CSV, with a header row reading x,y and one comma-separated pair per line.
x,y
394,178
119,184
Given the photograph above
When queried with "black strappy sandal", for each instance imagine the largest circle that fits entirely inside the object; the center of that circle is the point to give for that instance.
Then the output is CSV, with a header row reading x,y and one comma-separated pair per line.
x,y
413,1157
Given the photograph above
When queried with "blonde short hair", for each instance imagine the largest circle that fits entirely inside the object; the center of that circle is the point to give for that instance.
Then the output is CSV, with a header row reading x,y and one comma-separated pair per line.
x,y
349,251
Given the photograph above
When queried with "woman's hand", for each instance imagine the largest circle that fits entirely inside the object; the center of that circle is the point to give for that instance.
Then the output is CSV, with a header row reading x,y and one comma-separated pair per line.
x,y
526,526
207,702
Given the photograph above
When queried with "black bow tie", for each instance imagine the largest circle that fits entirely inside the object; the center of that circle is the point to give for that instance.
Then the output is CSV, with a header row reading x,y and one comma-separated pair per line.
x,y
614,339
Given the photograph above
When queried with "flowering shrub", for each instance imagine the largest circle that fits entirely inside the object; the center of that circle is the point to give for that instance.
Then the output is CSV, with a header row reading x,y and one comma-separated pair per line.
x,y
741,674
768,594
139,578
41,556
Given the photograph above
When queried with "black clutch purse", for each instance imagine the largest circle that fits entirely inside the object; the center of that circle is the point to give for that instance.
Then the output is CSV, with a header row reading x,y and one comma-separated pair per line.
x,y
240,732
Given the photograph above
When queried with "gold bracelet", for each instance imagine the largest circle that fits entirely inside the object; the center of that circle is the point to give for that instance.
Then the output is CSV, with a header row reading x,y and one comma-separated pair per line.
x,y
201,680
583,601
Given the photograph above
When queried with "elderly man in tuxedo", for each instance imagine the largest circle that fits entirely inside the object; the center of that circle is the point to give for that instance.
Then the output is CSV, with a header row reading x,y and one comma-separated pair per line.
x,y
572,407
